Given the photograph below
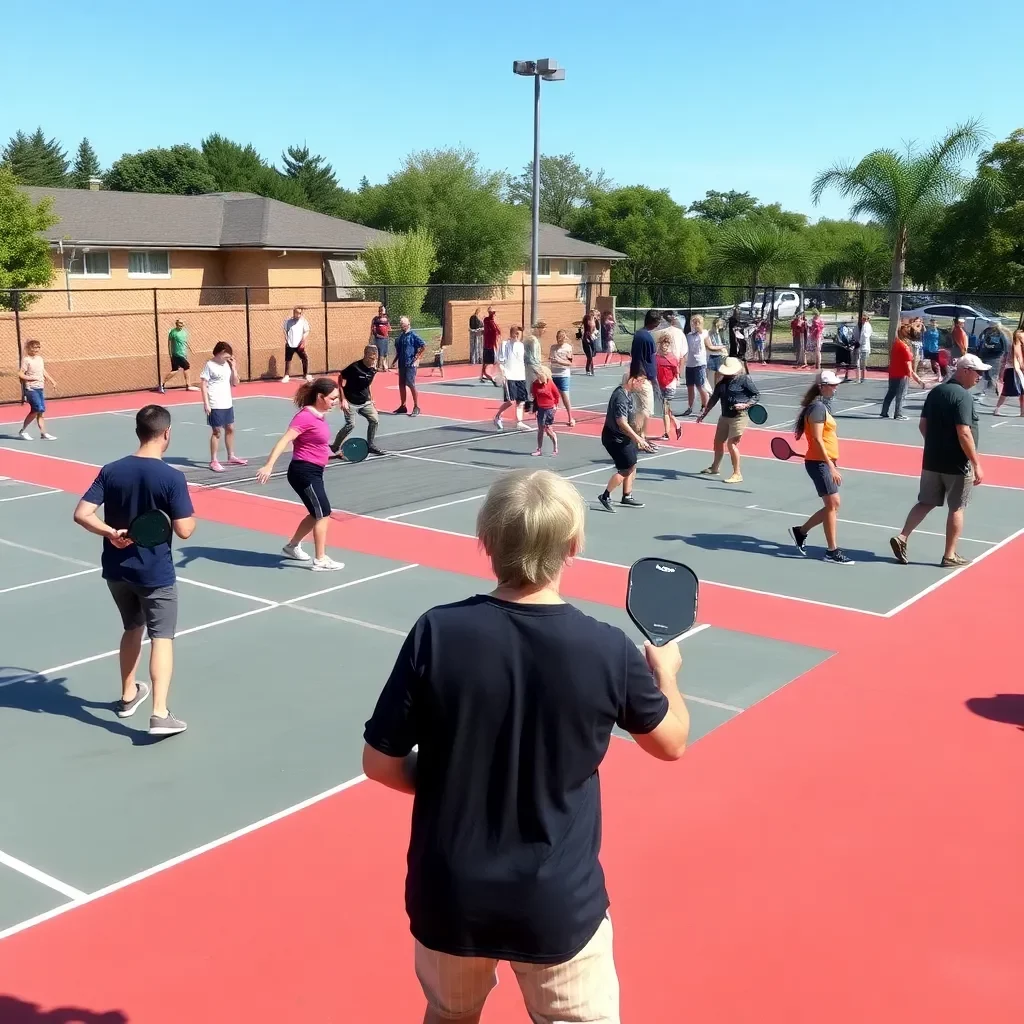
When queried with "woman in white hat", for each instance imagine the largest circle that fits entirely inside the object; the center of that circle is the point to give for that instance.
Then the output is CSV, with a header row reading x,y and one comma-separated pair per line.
x,y
737,392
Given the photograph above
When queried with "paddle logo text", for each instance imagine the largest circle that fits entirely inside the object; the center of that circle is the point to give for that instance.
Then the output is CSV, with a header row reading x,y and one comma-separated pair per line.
x,y
664,568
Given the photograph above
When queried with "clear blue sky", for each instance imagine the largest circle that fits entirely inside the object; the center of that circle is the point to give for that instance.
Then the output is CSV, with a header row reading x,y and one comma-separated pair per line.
x,y
745,95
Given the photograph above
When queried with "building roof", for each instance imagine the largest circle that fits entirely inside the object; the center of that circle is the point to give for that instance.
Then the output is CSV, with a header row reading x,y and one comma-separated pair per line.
x,y
558,243
219,220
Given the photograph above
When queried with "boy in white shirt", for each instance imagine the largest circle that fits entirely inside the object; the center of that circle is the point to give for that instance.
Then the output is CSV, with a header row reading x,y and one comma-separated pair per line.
x,y
296,330
512,359
219,376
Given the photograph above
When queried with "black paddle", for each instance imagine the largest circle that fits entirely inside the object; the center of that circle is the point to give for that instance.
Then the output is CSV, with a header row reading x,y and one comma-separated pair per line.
x,y
758,415
781,449
661,599
355,449
150,529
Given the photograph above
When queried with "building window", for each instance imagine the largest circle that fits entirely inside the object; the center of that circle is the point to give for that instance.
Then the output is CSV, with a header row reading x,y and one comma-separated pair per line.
x,y
149,264
90,264
543,268
575,268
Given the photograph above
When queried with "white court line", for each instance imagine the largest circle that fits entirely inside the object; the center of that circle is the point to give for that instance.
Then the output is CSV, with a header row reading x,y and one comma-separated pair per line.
x,y
350,583
431,508
34,494
352,622
49,554
956,572
224,590
52,579
41,876
82,899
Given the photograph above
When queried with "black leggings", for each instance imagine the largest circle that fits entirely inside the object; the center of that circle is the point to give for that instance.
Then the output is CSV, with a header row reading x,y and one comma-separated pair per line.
x,y
588,351
301,353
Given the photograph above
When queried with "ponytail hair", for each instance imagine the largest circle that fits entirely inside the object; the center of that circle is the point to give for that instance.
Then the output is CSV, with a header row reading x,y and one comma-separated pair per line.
x,y
310,391
812,393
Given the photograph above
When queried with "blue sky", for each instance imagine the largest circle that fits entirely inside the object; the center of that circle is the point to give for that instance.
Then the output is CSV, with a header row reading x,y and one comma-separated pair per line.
x,y
749,96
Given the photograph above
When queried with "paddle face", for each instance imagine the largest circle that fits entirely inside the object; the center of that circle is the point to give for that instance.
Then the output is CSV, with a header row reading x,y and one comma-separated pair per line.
x,y
661,599
355,449
781,449
758,415
150,529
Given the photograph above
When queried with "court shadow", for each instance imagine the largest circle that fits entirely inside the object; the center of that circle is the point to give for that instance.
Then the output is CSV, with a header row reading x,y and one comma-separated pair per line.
x,y
25,690
17,1011
180,460
761,546
1007,708
230,556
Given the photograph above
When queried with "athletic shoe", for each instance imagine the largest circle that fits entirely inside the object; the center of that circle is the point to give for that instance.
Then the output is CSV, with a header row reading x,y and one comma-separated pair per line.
x,y
520,425
25,435
679,432
161,389
494,382
572,423
537,452
954,562
47,437
285,379
901,417
309,378
127,708
236,461
709,472
295,551
606,502
837,558
799,539
899,549
326,564
630,502
374,450
498,425
401,411
167,726
216,466
554,452
883,415
734,479
415,411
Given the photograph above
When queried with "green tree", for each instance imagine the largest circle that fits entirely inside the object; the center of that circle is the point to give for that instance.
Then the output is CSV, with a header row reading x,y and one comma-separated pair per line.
x,y
237,168
662,243
87,165
315,176
721,207
754,251
24,253
564,187
895,189
480,239
410,260
36,160
179,170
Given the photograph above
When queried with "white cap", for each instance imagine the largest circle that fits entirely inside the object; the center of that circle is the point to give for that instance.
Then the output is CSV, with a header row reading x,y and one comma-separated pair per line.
x,y
828,377
972,362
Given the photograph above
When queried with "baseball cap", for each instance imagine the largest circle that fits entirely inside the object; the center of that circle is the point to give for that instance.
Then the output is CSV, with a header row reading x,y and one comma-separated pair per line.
x,y
828,377
972,362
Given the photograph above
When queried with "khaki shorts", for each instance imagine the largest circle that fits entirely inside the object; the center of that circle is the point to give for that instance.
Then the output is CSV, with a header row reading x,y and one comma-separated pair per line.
x,y
952,489
730,428
585,988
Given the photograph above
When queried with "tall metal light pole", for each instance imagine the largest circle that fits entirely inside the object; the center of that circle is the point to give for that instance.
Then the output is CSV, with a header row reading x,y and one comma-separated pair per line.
x,y
549,71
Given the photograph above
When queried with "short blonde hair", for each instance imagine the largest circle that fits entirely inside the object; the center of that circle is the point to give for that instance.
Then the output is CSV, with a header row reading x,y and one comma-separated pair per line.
x,y
561,336
664,341
541,373
696,322
531,522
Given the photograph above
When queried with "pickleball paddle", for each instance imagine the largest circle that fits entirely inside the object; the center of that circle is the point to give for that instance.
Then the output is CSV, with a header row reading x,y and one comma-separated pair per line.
x,y
661,599
758,415
150,529
781,449
355,449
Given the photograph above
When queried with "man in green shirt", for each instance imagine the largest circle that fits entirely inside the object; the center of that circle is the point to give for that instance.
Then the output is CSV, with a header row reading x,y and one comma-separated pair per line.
x,y
177,349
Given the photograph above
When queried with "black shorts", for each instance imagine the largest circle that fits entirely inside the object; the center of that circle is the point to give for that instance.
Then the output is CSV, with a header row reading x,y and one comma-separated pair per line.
x,y
180,363
622,450
489,359
515,391
1011,384
821,475
307,481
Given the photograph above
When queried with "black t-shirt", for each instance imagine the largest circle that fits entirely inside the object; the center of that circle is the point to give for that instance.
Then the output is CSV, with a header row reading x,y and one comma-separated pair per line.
x,y
512,707
620,407
947,406
475,323
355,381
739,389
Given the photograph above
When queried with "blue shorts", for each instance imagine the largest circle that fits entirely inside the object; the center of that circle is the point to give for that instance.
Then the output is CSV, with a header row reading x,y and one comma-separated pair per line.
x,y
382,347
36,399
821,475
407,375
562,383
714,362
696,376
545,417
221,417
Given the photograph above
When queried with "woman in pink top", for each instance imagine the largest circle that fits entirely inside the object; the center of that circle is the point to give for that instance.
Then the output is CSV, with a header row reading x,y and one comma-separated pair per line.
x,y
310,438
815,330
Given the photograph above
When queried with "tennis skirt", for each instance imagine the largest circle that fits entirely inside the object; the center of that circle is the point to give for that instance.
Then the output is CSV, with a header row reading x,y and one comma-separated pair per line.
x,y
307,481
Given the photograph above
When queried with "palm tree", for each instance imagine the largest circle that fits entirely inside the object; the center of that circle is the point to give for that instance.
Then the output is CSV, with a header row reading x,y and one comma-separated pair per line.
x,y
753,250
894,189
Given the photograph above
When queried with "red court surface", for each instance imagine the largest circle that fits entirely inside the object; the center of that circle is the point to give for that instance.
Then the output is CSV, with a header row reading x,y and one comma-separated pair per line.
x,y
847,850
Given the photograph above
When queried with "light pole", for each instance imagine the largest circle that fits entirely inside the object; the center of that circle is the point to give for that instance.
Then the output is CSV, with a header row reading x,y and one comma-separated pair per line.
x,y
549,71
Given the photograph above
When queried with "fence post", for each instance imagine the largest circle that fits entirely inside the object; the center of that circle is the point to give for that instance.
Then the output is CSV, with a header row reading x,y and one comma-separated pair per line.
x,y
771,321
327,335
156,336
443,309
17,323
248,337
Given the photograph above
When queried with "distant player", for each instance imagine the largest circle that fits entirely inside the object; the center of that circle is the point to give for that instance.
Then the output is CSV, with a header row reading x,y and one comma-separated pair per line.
x,y
355,381
545,400
33,377
219,376
177,350
296,331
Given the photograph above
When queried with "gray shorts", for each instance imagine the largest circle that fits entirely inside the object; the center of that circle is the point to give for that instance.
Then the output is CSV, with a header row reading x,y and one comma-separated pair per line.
x,y
952,489
156,608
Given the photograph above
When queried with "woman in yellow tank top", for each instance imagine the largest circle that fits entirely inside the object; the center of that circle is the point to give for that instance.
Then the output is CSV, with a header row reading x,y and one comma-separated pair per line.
x,y
815,422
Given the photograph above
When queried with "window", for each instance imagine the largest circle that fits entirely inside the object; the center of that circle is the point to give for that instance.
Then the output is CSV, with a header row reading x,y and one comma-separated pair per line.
x,y
543,268
149,264
90,264
575,268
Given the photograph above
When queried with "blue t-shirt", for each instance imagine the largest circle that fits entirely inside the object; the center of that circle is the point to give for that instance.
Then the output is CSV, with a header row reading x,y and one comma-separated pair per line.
x,y
407,344
512,706
126,488
930,340
642,354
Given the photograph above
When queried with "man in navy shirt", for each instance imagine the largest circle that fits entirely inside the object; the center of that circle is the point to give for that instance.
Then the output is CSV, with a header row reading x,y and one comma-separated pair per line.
x,y
509,700
142,581
408,348
642,355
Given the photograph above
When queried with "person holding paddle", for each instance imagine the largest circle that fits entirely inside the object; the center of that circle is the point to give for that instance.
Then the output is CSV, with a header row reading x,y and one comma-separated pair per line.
x,y
621,441
140,572
355,381
816,423
737,393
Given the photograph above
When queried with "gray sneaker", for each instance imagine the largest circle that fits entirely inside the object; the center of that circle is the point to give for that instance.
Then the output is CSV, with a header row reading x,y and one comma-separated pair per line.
x,y
166,726
127,708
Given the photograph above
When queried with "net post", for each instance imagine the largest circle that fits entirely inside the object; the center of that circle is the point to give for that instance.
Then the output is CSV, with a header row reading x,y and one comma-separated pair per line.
x,y
156,335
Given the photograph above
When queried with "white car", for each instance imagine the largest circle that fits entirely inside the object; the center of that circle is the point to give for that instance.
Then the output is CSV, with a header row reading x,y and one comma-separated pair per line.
x,y
975,318
787,304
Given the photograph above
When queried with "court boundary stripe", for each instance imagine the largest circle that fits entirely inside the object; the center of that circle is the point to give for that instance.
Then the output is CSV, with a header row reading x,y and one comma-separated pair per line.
x,y
51,579
16,864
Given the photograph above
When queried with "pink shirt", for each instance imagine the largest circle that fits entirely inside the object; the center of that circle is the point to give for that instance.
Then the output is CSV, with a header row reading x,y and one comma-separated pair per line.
x,y
817,328
314,440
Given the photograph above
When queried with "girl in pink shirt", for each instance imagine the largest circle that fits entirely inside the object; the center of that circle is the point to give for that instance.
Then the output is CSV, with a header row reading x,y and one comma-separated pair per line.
x,y
815,330
310,438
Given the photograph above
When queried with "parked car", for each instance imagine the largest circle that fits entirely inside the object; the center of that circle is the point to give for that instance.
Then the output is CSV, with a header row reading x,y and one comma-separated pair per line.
x,y
786,305
976,318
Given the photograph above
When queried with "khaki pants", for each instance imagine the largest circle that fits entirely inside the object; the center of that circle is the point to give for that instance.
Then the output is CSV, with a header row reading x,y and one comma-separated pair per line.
x,y
583,989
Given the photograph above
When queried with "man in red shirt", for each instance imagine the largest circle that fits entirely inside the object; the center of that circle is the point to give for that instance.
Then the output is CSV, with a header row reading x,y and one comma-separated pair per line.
x,y
901,366
492,335
798,325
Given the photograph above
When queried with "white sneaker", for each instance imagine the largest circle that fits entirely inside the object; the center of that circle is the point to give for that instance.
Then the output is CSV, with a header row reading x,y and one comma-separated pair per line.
x,y
309,378
285,379
295,551
498,425
47,437
326,564
25,435
522,426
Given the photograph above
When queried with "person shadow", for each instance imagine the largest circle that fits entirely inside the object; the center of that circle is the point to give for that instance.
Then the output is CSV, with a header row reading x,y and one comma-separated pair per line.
x,y
17,1011
760,546
26,690
1007,708
231,556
